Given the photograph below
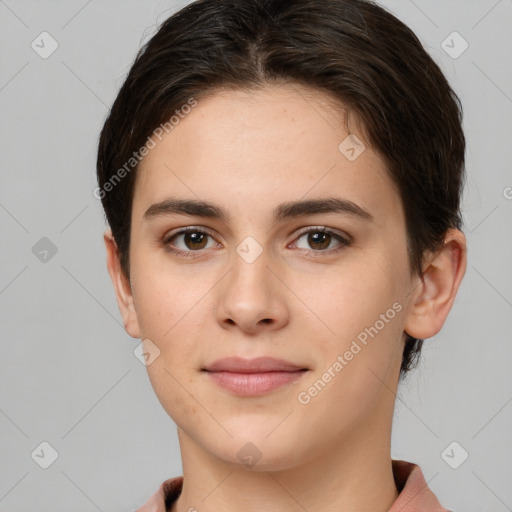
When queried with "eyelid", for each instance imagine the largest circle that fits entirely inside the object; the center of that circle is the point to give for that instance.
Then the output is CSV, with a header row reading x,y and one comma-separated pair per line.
x,y
344,238
180,231
324,229
299,233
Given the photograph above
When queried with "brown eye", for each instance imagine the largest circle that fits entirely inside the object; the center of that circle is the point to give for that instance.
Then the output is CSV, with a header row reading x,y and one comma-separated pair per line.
x,y
188,241
195,240
320,240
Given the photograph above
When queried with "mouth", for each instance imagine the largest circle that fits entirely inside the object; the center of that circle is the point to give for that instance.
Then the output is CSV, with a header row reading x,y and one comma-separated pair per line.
x,y
253,377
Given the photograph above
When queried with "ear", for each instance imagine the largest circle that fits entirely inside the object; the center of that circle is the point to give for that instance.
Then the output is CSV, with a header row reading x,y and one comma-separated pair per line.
x,y
122,287
434,291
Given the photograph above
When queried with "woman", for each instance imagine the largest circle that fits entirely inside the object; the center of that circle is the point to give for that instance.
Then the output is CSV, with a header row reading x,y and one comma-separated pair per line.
x,y
282,182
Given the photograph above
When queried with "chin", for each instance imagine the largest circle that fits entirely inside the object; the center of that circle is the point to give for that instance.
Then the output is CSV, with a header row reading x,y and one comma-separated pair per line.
x,y
259,453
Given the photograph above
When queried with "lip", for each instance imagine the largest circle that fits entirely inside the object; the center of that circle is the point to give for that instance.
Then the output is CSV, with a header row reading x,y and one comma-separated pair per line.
x,y
253,377
256,365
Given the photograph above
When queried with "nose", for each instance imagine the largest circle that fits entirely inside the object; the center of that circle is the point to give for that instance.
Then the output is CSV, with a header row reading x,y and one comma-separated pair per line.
x,y
253,297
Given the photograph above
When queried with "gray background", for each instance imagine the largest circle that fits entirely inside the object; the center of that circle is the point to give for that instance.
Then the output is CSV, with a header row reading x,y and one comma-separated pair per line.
x,y
68,373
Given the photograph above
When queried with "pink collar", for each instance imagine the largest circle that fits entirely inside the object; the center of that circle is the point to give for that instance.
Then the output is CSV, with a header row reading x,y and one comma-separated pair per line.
x,y
415,495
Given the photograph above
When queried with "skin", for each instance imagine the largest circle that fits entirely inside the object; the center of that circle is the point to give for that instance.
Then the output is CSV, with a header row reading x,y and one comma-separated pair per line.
x,y
299,300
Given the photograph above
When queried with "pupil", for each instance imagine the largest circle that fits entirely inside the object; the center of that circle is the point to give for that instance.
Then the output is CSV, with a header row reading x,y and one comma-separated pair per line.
x,y
324,236
195,238
316,238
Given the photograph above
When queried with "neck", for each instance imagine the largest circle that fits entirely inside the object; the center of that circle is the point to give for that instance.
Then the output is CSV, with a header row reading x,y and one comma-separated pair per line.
x,y
352,474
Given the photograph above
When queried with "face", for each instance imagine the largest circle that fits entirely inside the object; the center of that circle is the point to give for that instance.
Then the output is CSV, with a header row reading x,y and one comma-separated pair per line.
x,y
326,288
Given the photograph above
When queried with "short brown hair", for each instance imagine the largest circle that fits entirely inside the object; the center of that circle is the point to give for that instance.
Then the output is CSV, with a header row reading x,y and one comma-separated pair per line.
x,y
354,50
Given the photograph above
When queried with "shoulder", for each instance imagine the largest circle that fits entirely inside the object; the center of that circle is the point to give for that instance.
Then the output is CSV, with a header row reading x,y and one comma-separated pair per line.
x,y
166,494
414,492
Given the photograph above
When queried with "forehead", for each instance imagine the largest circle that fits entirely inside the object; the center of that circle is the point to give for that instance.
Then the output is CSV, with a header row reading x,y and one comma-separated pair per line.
x,y
248,150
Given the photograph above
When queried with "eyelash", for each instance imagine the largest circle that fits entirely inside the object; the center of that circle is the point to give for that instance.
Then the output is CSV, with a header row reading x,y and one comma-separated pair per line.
x,y
344,242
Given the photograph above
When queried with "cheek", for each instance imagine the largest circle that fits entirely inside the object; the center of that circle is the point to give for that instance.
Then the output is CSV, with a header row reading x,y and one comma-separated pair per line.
x,y
362,313
170,305
165,310
172,390
163,298
347,299
355,366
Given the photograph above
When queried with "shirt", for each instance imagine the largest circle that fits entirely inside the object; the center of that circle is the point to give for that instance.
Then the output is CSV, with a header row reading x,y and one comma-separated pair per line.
x,y
414,493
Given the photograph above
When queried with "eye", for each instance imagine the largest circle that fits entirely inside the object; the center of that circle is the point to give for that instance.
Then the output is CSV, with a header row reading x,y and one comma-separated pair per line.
x,y
193,240
320,239
190,240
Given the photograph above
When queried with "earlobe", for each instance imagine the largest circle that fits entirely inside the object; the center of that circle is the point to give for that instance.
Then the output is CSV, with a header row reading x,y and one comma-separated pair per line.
x,y
436,289
122,287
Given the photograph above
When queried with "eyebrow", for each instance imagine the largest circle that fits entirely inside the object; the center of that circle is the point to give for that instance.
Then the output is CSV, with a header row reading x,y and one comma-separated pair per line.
x,y
283,211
